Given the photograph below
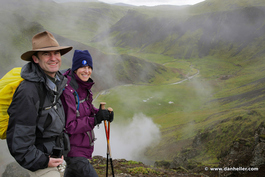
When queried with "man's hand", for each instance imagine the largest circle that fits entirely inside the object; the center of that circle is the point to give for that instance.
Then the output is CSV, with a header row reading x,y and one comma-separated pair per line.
x,y
54,162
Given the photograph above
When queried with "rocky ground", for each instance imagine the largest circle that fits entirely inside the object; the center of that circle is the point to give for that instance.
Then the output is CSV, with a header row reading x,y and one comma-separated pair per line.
x,y
122,168
244,153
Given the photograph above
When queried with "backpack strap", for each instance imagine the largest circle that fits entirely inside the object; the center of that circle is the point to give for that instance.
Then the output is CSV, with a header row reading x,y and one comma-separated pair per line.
x,y
78,101
42,94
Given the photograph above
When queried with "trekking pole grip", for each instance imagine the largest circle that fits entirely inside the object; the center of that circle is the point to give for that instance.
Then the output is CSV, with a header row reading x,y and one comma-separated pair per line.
x,y
102,105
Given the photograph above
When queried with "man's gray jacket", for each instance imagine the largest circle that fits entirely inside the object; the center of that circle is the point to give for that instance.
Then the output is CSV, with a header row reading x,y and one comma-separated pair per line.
x,y
33,132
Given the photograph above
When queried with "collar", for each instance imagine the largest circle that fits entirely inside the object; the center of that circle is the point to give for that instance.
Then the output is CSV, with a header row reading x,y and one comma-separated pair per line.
x,y
52,82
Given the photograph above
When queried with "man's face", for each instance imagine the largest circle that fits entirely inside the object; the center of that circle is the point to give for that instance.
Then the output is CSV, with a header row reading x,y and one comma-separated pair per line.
x,y
49,61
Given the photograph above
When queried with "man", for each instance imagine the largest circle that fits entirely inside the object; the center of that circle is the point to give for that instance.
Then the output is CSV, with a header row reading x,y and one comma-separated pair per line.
x,y
35,130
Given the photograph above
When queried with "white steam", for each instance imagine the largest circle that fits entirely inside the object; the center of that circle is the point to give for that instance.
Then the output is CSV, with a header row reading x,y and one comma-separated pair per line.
x,y
128,141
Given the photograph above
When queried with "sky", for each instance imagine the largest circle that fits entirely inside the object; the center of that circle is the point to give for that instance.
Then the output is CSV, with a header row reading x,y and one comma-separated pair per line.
x,y
154,2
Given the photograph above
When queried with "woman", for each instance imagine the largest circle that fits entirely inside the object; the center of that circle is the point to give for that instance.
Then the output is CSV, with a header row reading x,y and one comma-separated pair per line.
x,y
81,115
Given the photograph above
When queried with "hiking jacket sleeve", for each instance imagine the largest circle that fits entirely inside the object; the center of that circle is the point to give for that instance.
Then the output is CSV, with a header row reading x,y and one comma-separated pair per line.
x,y
21,132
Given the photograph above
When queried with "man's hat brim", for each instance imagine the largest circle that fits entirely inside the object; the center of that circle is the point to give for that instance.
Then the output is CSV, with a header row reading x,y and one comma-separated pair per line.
x,y
27,56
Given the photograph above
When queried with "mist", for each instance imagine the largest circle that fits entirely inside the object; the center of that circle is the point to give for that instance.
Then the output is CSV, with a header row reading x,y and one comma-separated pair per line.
x,y
128,141
5,156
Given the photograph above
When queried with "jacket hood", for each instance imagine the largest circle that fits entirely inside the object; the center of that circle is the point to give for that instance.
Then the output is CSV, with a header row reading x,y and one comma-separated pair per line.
x,y
32,72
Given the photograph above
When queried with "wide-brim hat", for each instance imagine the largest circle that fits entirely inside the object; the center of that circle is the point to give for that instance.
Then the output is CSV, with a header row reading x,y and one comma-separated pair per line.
x,y
44,41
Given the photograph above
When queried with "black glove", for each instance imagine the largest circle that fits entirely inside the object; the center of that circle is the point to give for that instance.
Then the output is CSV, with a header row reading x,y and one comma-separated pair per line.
x,y
111,116
103,114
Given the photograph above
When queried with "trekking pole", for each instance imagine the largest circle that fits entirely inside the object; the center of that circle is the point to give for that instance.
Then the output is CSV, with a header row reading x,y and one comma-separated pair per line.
x,y
107,130
111,164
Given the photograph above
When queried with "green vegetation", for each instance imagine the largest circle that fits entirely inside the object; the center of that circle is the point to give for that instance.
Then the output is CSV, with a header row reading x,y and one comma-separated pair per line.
x,y
142,170
130,162
195,107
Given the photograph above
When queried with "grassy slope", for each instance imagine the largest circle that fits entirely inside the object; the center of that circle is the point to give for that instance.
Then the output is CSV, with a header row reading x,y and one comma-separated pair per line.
x,y
197,106
193,110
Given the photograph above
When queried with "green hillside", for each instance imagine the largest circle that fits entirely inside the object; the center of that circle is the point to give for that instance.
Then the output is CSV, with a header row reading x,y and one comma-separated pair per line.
x,y
224,102
140,53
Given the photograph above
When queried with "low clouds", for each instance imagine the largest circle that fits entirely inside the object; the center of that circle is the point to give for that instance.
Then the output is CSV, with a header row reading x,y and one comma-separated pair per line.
x,y
128,141
154,2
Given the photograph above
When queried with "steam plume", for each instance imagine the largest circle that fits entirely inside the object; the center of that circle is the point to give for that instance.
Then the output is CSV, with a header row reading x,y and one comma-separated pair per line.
x,y
128,141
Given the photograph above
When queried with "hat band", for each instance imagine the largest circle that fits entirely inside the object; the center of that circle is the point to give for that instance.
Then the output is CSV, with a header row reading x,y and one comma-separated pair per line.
x,y
44,47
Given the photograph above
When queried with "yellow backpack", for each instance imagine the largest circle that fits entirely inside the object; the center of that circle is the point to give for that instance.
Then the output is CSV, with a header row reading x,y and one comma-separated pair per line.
x,y
8,85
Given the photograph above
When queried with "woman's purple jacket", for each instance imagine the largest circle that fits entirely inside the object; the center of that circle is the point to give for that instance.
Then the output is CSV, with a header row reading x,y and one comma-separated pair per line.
x,y
80,129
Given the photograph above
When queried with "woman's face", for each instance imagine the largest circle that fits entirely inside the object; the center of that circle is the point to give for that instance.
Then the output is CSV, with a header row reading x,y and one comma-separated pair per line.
x,y
84,73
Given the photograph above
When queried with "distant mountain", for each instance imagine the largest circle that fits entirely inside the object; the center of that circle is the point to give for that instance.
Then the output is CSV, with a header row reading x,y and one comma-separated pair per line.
x,y
206,32
62,1
122,4
117,4
82,21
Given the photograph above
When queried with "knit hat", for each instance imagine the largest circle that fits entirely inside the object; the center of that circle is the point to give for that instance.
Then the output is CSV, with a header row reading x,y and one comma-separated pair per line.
x,y
81,58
